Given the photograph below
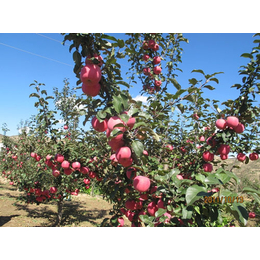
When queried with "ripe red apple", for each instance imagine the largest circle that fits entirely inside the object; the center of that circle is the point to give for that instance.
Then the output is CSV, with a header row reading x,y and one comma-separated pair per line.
x,y
152,208
99,126
146,71
195,116
59,158
232,121
53,190
86,181
76,166
239,128
151,44
156,60
56,173
146,57
145,153
202,138
114,120
157,83
130,204
253,156
123,154
208,156
131,173
211,141
90,74
127,162
157,70
33,155
145,45
68,171
251,214
241,157
169,147
65,164
224,156
48,157
84,170
91,90
156,47
224,149
65,127
120,221
92,175
221,123
141,183
115,144
207,167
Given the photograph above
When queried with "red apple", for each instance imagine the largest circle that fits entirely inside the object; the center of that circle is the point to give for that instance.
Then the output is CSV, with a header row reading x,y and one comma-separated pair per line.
x,y
207,167
224,149
156,60
68,171
53,190
121,222
207,156
156,47
157,70
232,121
169,147
131,173
115,120
48,157
141,183
224,156
151,44
86,181
145,45
84,170
123,154
157,83
130,204
152,208
221,123
241,157
146,71
127,162
59,158
65,164
146,57
91,90
90,74
99,126
239,128
115,144
211,141
251,214
76,166
33,155
56,173
195,116
202,138
179,177
92,175
65,127
253,156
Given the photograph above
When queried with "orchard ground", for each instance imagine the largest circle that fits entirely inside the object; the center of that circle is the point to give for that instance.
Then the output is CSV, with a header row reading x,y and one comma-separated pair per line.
x,y
87,211
82,211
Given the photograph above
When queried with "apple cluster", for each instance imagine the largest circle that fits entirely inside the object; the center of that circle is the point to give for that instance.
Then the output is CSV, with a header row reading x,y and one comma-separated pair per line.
x,y
90,75
153,68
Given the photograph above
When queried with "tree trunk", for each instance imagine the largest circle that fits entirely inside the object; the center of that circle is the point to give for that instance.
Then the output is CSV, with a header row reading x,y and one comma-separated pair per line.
x,y
59,214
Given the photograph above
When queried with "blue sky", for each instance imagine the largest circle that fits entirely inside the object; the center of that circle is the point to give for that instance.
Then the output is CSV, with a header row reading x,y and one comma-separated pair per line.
x,y
19,67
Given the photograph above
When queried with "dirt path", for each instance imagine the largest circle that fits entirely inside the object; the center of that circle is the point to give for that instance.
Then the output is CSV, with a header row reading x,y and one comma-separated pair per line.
x,y
82,211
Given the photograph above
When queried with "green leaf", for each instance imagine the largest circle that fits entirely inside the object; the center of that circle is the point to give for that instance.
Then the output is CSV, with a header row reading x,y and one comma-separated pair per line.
x,y
209,87
181,107
248,189
146,219
34,95
199,71
242,214
121,43
247,55
117,103
193,81
214,79
175,83
211,179
160,212
76,57
138,148
194,193
187,212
